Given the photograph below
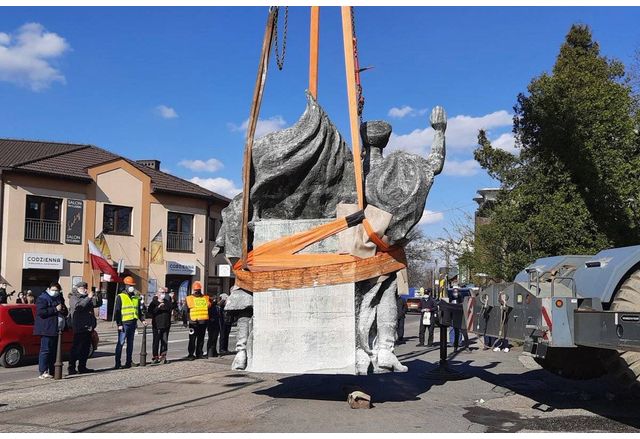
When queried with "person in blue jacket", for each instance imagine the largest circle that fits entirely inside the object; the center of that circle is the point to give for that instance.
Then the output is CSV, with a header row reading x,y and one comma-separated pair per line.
x,y
50,315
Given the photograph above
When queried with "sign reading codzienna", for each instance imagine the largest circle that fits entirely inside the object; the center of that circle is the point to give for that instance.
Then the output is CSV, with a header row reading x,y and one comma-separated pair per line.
x,y
44,261
174,267
73,227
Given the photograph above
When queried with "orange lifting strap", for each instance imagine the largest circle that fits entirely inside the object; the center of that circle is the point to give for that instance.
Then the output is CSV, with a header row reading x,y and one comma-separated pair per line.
x,y
276,264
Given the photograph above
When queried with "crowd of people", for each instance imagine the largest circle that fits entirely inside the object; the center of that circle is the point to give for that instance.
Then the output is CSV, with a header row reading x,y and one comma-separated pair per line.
x,y
23,296
428,323
202,314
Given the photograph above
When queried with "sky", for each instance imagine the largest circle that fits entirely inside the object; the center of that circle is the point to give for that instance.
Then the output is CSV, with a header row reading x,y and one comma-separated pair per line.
x,y
175,84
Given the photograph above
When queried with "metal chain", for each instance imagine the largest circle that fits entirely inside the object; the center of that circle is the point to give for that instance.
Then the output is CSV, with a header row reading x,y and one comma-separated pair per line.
x,y
280,58
359,94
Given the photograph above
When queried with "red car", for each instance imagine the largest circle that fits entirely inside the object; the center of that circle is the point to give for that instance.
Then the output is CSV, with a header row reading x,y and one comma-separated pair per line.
x,y
414,304
17,342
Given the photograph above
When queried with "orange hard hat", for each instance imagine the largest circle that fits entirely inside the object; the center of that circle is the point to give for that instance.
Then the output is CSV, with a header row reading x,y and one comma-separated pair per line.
x,y
129,281
197,285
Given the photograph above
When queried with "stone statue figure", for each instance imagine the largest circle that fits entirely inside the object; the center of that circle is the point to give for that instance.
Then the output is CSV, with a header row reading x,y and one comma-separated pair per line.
x,y
306,171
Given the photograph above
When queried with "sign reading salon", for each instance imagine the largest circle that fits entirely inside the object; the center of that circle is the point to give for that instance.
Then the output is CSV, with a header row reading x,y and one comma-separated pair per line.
x,y
73,233
43,261
174,267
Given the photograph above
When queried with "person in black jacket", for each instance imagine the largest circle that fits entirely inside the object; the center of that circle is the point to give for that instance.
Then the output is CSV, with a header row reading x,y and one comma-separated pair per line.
x,y
3,293
427,317
82,304
50,315
226,324
213,328
160,310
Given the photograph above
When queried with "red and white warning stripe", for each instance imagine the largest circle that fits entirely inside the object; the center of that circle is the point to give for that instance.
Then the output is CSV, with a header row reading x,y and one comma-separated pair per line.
x,y
472,303
546,317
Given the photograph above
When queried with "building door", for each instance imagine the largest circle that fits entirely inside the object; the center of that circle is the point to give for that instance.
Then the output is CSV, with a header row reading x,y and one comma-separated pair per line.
x,y
38,280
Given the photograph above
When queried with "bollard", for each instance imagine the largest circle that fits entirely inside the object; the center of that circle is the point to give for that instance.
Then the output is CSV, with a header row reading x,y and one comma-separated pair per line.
x,y
442,372
57,371
143,348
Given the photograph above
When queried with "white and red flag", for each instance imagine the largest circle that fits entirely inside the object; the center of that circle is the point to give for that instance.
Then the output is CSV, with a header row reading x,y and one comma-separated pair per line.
x,y
100,263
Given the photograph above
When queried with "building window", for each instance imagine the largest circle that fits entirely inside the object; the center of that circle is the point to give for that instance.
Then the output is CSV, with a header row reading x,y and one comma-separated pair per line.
x,y
116,220
180,232
42,219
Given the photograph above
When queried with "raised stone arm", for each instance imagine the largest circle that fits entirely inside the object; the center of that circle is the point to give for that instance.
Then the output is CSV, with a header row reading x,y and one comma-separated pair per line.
x,y
438,149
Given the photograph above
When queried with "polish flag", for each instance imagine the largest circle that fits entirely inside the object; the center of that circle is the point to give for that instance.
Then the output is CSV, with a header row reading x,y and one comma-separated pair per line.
x,y
99,262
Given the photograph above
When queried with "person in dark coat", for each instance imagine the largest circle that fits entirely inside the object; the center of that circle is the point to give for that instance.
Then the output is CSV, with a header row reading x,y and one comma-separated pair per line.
x,y
225,326
402,312
82,304
428,309
3,293
214,328
160,309
50,315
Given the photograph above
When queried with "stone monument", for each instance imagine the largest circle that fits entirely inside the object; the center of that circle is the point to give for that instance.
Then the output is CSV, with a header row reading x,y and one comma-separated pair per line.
x,y
304,176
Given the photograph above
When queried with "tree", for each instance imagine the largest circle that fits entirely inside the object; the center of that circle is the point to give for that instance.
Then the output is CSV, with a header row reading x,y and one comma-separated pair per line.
x,y
573,189
418,253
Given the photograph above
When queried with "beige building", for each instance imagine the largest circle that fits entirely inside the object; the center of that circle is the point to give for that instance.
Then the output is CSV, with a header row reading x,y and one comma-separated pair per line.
x,y
56,197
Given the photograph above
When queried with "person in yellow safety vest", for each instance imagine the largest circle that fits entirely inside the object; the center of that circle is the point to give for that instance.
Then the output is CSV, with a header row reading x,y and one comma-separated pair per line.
x,y
197,313
128,310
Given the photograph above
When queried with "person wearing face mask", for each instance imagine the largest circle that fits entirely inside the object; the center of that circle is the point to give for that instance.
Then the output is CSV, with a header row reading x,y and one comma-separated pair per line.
x,y
127,311
197,314
4,296
81,305
160,311
50,313
457,297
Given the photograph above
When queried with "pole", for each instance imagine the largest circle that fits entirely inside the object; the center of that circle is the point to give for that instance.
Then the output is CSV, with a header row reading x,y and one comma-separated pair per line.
x,y
143,347
349,61
57,371
313,51
251,129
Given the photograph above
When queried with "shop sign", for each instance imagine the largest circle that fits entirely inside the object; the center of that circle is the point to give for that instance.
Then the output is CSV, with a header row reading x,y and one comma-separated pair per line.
x,y
174,267
43,261
73,233
224,270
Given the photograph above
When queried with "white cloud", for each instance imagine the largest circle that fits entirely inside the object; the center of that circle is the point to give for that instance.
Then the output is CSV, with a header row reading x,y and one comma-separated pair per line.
x,y
506,142
219,185
405,110
462,168
264,126
462,133
166,112
211,165
25,57
430,217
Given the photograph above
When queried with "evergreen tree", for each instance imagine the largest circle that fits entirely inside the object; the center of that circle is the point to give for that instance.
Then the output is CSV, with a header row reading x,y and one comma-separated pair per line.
x,y
574,187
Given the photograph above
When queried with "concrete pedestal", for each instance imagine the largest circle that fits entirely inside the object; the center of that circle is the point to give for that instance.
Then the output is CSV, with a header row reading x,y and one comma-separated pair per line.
x,y
306,330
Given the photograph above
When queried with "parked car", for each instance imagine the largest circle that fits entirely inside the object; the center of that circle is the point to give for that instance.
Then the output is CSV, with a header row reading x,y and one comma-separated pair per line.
x,y
414,304
17,342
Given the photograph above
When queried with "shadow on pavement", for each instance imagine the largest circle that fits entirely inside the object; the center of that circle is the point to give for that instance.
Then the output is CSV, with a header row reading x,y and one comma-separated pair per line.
x,y
388,387
550,392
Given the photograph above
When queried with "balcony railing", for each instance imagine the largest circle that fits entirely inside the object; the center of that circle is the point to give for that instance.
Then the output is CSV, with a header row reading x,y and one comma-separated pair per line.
x,y
179,242
41,230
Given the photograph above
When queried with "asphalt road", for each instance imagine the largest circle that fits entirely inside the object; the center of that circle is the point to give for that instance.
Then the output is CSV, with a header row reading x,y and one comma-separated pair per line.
x,y
504,392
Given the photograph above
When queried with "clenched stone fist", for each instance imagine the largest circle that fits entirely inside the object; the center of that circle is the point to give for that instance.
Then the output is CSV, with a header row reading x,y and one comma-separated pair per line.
x,y
438,119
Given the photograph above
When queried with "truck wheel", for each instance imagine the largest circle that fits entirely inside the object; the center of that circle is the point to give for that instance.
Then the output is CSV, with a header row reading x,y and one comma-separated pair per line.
x,y
624,366
581,363
11,357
